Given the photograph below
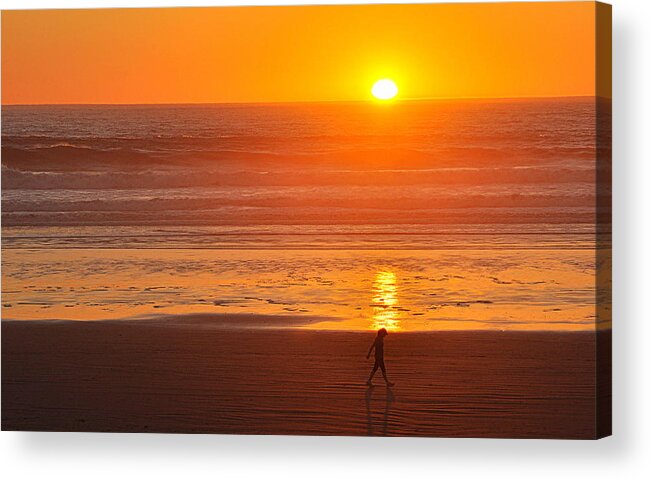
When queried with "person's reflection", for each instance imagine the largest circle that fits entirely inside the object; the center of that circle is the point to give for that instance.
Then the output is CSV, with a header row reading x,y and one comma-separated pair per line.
x,y
369,416
387,407
388,401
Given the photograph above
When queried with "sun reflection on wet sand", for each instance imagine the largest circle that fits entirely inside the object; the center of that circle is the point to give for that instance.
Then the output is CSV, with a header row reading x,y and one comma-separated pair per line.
x,y
312,289
385,302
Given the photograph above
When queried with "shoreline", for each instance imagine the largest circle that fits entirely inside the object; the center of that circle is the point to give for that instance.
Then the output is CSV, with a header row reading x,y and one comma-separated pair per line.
x,y
265,322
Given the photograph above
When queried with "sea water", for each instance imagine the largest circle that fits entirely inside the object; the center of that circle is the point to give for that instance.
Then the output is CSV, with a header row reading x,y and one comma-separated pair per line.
x,y
412,215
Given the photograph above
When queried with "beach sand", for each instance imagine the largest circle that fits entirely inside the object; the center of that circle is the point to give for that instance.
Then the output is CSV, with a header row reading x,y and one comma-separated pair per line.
x,y
157,376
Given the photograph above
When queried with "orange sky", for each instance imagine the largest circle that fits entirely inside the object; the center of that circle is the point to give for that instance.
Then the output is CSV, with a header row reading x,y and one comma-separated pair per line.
x,y
268,54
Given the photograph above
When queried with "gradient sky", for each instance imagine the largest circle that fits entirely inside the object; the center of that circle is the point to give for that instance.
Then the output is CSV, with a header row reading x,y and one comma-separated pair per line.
x,y
275,54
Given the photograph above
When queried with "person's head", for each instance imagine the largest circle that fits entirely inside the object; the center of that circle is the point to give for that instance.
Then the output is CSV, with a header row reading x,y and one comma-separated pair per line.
x,y
382,333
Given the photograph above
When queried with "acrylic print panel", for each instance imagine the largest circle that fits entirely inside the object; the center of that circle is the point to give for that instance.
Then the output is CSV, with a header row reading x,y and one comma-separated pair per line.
x,y
323,220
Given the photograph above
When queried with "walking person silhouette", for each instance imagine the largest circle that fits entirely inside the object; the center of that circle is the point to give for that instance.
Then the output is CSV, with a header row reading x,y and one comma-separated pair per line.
x,y
378,345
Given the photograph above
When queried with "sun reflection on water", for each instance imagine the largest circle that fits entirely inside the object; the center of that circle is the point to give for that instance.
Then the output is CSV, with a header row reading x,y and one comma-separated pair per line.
x,y
385,302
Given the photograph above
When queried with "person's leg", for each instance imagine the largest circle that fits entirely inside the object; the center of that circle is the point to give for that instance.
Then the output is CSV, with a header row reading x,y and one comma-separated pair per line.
x,y
384,372
370,378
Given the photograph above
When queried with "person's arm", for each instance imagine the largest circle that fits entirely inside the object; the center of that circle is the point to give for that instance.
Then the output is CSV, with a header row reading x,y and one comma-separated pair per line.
x,y
369,351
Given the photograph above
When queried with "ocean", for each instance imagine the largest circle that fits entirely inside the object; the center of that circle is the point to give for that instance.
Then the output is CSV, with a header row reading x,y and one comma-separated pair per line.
x,y
412,215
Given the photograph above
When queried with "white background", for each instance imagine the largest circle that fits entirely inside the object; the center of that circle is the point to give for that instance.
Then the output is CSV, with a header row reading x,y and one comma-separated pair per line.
x,y
627,454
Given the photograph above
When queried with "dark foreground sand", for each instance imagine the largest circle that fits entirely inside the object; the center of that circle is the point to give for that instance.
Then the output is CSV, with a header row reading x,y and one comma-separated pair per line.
x,y
151,377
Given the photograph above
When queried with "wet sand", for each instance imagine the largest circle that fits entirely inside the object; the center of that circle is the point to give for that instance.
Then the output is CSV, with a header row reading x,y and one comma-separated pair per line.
x,y
151,376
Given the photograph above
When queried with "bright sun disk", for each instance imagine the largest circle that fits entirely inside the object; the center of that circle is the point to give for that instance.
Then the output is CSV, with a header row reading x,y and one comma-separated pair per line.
x,y
384,89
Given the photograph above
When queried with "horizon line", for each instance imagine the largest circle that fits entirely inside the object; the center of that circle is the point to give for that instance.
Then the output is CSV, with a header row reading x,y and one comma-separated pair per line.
x,y
370,100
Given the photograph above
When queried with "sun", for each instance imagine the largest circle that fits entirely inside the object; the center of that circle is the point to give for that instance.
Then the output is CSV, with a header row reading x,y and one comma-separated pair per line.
x,y
384,89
